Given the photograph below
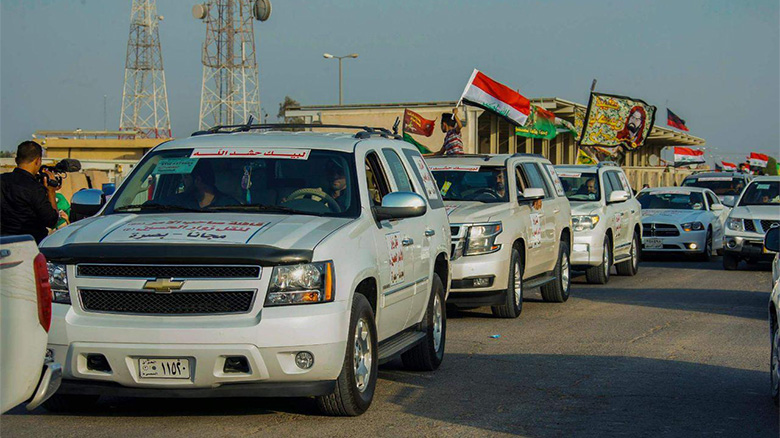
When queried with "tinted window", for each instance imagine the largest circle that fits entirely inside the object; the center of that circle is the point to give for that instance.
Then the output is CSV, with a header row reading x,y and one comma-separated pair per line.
x,y
615,182
712,199
424,178
721,185
535,178
671,200
580,186
761,193
397,169
608,187
376,179
485,184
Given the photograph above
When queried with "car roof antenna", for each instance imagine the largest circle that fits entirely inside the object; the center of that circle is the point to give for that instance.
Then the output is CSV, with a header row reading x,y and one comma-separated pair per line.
x,y
395,125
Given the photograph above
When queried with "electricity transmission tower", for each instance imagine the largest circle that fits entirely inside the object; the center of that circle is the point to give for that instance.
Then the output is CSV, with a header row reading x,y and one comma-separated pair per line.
x,y
231,88
144,96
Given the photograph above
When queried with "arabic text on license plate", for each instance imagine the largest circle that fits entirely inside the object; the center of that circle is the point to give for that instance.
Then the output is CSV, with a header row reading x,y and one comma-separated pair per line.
x,y
164,368
654,243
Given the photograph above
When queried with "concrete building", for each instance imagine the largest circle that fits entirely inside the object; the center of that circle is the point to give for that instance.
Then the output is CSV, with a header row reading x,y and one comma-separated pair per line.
x,y
95,145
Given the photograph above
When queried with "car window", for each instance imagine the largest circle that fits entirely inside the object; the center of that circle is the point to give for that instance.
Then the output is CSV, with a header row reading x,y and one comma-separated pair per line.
x,y
580,186
721,185
553,176
535,178
424,178
521,184
712,199
472,183
615,182
397,169
608,187
376,179
761,193
671,200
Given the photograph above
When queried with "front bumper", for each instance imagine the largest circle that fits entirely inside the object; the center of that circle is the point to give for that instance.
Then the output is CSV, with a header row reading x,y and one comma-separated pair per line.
x,y
51,378
493,268
269,341
746,245
681,243
588,248
264,389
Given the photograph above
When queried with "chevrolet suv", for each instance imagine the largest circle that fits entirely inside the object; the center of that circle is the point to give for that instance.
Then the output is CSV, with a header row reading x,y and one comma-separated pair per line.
x,y
253,264
606,218
511,229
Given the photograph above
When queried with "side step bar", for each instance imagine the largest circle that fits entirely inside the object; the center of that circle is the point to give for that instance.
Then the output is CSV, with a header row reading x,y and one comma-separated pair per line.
x,y
391,348
539,280
622,257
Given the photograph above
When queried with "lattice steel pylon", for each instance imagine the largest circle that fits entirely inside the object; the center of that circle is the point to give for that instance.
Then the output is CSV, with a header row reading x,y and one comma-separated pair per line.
x,y
231,78
144,96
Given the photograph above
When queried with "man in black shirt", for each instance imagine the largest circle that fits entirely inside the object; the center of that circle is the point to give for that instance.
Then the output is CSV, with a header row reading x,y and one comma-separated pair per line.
x,y
27,206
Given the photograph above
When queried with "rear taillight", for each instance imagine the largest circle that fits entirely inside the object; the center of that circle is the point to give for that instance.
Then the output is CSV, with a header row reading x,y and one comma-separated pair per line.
x,y
43,288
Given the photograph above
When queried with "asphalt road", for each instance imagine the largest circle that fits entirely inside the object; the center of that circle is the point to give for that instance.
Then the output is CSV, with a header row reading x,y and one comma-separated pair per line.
x,y
682,349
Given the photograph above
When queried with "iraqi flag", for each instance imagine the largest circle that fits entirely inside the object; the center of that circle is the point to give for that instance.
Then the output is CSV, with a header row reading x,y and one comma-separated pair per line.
x,y
757,160
728,167
684,156
493,96
675,121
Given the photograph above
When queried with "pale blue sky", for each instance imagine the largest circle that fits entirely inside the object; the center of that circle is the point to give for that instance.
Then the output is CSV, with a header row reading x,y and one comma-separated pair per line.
x,y
716,62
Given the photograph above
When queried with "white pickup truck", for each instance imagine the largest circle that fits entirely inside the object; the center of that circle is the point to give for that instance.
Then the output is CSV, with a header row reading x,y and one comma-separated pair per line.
x,y
27,372
254,264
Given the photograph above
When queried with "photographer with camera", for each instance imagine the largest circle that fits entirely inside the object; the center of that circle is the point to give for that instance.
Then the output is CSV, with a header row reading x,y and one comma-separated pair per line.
x,y
28,203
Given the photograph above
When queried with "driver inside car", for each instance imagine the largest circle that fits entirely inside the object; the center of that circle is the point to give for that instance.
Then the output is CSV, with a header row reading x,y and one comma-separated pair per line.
x,y
200,190
500,185
336,184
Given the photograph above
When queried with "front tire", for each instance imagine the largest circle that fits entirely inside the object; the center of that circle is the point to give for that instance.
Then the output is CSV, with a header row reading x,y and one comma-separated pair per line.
x,y
631,266
557,291
513,301
356,384
730,262
706,254
600,274
775,365
428,354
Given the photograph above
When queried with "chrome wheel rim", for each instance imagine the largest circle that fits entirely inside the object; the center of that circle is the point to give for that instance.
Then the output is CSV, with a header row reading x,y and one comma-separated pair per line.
x,y
438,322
634,258
776,361
565,272
363,355
605,261
708,246
518,284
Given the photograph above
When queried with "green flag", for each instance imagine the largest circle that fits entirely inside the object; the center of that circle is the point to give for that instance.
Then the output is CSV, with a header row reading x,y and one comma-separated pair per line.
x,y
423,150
540,124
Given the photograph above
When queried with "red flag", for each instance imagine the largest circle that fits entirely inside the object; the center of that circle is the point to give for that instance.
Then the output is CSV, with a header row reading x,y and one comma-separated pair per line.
x,y
758,160
417,124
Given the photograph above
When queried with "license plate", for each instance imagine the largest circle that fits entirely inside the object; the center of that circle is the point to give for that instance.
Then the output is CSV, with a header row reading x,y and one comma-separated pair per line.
x,y
654,243
164,368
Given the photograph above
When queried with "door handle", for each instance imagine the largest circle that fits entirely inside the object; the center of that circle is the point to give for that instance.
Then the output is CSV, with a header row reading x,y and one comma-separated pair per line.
x,y
556,211
407,241
429,232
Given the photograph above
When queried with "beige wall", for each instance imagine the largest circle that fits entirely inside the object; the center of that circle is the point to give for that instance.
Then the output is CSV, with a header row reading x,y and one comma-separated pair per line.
x,y
98,149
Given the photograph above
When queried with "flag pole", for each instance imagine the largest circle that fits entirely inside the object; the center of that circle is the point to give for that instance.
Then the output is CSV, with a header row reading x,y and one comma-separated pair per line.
x,y
584,119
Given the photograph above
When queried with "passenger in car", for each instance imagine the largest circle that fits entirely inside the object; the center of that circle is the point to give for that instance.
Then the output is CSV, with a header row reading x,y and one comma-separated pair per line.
x,y
200,190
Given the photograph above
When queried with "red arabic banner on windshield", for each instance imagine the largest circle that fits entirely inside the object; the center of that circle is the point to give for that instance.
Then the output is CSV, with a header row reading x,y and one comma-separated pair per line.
x,y
285,154
612,121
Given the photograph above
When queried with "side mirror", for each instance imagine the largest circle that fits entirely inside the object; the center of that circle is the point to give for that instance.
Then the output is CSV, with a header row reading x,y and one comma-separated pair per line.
x,y
772,239
531,194
729,201
399,205
85,203
618,196
717,207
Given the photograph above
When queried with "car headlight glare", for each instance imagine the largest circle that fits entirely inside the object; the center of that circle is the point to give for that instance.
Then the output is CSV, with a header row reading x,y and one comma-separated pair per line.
x,y
585,222
482,239
735,224
58,279
693,226
301,284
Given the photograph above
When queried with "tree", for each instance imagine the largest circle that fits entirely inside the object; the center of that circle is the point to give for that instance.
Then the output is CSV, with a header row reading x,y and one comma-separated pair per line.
x,y
7,154
771,166
288,104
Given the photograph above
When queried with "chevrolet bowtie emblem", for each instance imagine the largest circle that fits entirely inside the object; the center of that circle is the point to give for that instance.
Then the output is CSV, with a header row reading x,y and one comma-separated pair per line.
x,y
163,285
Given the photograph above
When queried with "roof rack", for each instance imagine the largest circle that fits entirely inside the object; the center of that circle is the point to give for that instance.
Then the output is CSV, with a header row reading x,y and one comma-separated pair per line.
x,y
524,154
365,131
607,163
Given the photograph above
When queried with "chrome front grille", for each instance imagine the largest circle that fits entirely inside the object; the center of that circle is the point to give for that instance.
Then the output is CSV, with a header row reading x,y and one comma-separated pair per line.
x,y
174,303
659,230
767,224
167,271
750,225
458,240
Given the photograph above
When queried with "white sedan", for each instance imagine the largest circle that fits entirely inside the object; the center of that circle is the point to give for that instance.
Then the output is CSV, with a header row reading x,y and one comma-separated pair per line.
x,y
682,219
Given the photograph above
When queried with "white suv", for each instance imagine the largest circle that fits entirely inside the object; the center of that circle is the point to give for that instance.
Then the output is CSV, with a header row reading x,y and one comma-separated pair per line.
x,y
755,212
510,229
253,264
606,218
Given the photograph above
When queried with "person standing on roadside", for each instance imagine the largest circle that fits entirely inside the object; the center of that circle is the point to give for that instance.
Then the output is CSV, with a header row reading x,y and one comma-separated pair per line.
x,y
29,205
451,127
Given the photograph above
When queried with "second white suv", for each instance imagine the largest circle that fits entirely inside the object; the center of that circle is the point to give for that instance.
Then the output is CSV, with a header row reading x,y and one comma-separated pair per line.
x,y
606,218
511,229
756,211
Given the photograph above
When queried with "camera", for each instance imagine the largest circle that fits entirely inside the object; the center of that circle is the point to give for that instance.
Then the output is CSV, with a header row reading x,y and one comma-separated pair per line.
x,y
67,165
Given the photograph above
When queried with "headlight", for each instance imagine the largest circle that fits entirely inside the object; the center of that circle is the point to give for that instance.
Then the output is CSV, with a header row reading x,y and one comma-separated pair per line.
x,y
58,279
301,284
734,224
693,226
585,222
482,239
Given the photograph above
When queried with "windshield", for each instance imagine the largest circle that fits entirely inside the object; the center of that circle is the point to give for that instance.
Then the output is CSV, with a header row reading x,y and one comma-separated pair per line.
x,y
762,193
670,200
289,181
473,183
580,186
721,185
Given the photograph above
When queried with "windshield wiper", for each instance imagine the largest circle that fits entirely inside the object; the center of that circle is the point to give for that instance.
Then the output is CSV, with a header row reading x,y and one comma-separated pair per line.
x,y
261,207
155,206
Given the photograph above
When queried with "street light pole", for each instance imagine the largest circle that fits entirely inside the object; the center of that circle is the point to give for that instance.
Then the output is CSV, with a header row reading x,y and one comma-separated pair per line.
x,y
341,72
